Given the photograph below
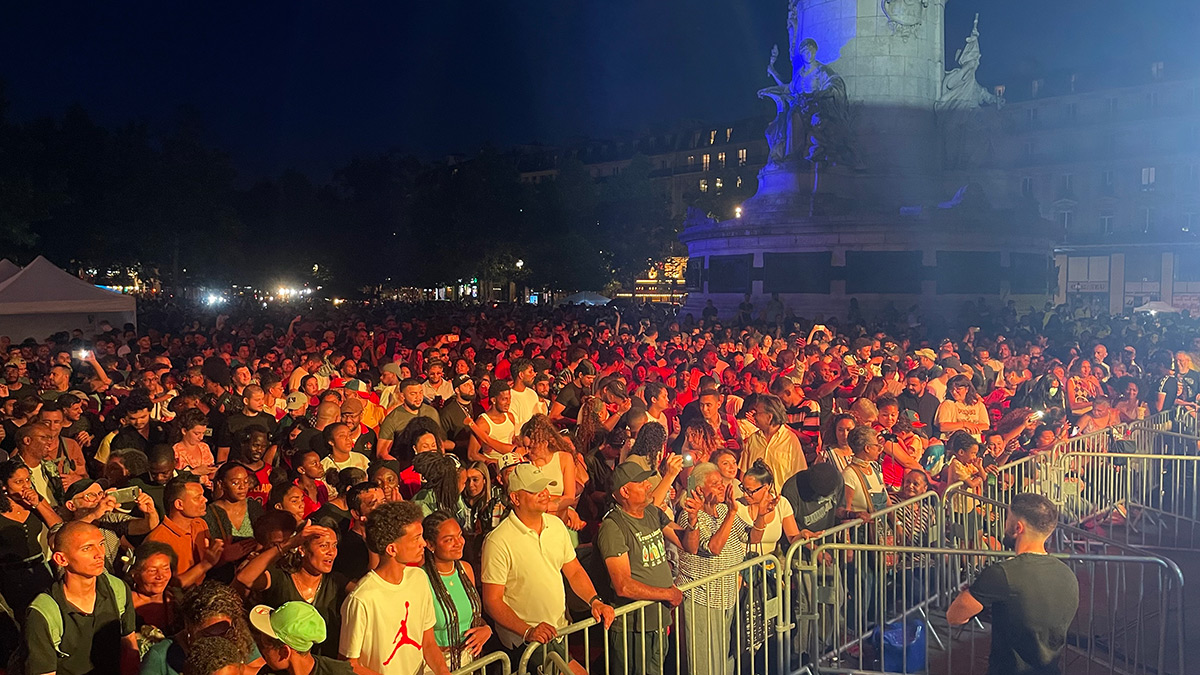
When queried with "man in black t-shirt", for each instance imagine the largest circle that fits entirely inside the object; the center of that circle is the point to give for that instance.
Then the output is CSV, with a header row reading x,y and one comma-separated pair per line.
x,y
815,495
457,415
1033,596
250,415
354,559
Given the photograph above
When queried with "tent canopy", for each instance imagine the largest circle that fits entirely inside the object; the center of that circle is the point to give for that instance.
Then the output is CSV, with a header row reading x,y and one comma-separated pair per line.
x,y
7,269
1158,306
42,299
586,298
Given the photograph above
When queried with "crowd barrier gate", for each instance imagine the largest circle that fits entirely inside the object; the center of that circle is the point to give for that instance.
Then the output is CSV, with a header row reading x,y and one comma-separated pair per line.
x,y
753,633
1129,618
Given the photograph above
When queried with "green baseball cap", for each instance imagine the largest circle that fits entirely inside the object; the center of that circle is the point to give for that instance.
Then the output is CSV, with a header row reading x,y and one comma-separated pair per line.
x,y
296,624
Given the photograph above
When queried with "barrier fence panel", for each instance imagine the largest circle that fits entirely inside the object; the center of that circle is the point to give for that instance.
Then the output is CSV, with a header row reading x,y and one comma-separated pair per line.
x,y
743,637
1144,500
1156,442
1129,618
813,586
481,664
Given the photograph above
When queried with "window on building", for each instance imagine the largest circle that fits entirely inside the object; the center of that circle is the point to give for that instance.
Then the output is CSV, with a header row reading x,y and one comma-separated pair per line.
x,y
1027,149
1147,218
741,156
1151,100
719,183
1147,177
721,160
1191,220
1067,184
704,185
728,134
706,162
1191,177
1031,116
1107,180
1064,219
1107,222
1027,186
696,140
1156,69
1038,86
691,160
1072,111
739,181
1074,80
712,137
1111,106
1000,89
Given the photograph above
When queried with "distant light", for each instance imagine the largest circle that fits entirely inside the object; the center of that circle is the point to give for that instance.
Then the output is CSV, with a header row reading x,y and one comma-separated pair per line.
x,y
737,212
214,299
520,264
315,268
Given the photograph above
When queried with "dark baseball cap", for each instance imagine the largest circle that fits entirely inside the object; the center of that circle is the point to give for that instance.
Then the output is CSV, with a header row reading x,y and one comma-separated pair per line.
x,y
629,472
460,380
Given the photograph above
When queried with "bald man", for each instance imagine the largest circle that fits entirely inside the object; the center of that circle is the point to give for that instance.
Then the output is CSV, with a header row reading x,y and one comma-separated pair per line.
x,y
94,608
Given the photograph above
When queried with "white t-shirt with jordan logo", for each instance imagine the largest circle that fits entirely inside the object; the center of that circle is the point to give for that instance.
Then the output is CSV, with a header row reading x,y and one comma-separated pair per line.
x,y
383,623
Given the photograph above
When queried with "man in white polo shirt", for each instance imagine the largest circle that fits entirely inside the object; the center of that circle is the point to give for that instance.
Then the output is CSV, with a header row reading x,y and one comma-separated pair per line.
x,y
524,560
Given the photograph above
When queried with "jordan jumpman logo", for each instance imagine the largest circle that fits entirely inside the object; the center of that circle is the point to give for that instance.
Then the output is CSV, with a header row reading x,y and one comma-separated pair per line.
x,y
402,637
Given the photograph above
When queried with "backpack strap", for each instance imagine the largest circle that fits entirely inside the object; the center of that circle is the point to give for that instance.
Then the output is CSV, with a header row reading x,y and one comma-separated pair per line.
x,y
119,591
45,605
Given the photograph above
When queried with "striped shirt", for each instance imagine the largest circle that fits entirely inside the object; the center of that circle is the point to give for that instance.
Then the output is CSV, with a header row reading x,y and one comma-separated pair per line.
x,y
719,593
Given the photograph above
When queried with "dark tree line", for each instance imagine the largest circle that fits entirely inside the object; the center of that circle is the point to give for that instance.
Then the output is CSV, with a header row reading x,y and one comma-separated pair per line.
x,y
173,206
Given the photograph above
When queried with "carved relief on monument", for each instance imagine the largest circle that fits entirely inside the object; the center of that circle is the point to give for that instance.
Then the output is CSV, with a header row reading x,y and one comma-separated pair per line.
x,y
904,17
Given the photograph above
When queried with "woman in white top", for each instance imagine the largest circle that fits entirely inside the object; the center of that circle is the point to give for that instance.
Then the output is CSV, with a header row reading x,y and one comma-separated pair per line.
x,y
963,409
548,450
771,518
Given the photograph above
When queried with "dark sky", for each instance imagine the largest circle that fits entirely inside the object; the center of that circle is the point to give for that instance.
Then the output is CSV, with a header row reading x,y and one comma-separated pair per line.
x,y
309,84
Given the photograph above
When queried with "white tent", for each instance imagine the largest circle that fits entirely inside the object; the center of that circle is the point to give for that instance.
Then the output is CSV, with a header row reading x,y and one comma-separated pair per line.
x,y
1157,306
7,269
586,298
42,299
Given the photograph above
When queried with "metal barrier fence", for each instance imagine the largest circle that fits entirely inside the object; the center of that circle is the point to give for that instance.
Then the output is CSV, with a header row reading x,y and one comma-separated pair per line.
x,y
481,664
811,585
1129,619
1145,500
1178,419
703,639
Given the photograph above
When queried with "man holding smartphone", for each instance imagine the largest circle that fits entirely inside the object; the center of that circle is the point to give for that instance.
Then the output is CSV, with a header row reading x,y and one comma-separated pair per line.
x,y
111,510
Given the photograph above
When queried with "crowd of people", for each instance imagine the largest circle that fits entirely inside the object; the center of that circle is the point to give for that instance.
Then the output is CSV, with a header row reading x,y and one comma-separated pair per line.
x,y
404,489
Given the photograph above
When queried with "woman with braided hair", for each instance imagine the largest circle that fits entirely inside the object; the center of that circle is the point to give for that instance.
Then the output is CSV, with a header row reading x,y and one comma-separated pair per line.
x,y
441,485
460,629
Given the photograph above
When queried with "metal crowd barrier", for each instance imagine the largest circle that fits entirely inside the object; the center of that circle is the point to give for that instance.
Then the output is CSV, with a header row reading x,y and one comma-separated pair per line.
x,y
748,633
1178,419
481,664
1129,618
1150,501
811,584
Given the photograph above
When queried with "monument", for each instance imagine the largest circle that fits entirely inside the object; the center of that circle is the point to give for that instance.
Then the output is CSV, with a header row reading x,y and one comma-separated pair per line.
x,y
877,184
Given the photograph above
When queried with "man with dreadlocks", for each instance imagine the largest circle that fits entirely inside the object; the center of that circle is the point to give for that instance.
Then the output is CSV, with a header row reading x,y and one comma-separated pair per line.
x,y
460,629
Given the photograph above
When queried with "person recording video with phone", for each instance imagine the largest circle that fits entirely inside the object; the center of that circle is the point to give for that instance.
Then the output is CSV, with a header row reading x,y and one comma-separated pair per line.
x,y
117,512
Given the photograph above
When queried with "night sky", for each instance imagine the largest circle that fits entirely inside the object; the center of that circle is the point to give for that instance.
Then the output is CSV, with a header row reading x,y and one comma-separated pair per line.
x,y
310,84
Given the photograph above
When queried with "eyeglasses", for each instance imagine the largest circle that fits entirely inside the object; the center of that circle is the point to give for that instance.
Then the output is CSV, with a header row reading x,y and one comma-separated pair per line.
x,y
750,492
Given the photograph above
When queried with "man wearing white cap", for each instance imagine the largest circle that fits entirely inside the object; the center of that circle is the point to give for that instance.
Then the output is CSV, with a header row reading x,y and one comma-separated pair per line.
x,y
524,560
